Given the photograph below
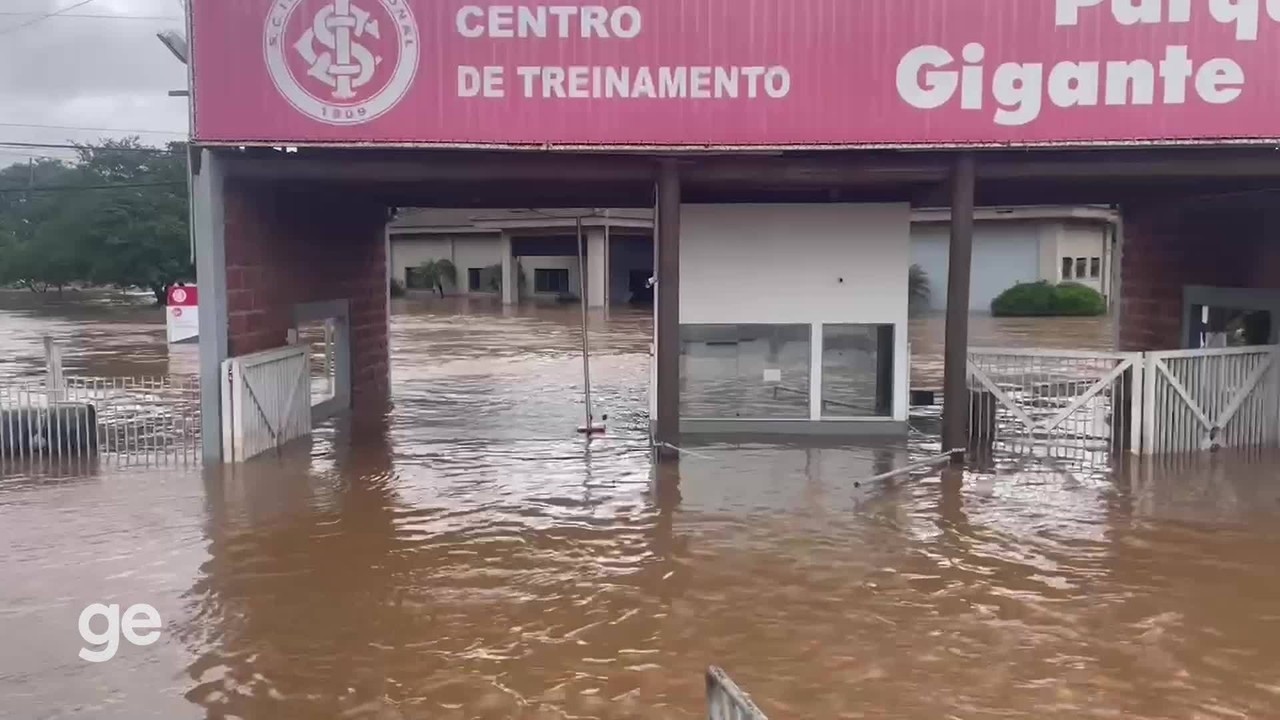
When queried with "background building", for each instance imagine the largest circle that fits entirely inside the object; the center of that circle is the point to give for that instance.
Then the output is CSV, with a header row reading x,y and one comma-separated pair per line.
x,y
1020,244
1011,245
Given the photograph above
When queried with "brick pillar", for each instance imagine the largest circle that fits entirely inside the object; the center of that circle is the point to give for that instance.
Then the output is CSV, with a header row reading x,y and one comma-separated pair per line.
x,y
1175,243
285,247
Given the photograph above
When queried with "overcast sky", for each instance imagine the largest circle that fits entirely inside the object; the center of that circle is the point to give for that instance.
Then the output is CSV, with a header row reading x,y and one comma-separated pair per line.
x,y
98,66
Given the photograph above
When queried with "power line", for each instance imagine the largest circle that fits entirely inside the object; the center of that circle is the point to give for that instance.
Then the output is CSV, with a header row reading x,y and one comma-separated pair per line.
x,y
109,186
63,146
43,17
41,126
93,16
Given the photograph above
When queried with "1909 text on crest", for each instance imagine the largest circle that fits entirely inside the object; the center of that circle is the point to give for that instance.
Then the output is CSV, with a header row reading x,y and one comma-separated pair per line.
x,y
342,62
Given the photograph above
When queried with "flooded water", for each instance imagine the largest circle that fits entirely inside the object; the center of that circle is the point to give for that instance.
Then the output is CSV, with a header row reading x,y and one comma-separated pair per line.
x,y
473,557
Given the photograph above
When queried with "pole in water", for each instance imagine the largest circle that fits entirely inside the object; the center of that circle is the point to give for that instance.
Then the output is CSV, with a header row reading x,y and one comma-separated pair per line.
x,y
591,427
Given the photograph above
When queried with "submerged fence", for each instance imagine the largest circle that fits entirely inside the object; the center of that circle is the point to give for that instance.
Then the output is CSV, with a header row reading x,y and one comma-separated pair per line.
x,y
123,421
1104,402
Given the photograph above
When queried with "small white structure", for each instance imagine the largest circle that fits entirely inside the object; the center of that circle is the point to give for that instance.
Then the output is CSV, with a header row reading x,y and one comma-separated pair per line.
x,y
793,318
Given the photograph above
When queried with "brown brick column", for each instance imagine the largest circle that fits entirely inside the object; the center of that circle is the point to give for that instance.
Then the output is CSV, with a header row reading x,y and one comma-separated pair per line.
x,y
288,246
1175,243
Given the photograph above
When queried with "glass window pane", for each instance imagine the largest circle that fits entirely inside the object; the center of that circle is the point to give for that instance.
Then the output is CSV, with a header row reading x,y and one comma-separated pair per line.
x,y
857,371
1082,268
1067,264
1095,267
749,372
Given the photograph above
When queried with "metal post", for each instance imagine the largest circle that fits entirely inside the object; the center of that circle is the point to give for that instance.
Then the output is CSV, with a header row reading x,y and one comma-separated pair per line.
x,y
53,368
589,428
955,375
667,307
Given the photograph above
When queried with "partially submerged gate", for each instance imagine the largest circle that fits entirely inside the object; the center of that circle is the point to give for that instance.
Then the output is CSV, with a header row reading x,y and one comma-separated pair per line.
x,y
1073,401
1177,401
1211,399
266,401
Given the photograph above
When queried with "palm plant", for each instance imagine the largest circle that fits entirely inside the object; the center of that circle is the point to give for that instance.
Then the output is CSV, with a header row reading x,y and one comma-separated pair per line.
x,y
918,291
435,273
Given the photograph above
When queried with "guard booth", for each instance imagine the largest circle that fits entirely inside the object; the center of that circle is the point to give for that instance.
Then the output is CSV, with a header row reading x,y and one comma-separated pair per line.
x,y
781,145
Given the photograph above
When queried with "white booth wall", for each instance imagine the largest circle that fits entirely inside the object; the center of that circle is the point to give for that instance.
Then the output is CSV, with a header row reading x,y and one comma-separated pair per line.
x,y
810,264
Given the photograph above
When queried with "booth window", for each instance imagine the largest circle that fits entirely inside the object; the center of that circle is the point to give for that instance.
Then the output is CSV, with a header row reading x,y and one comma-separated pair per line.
x,y
747,372
857,371
551,280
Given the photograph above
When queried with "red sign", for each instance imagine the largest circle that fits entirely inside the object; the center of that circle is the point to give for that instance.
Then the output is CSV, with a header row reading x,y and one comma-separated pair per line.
x,y
736,72
183,296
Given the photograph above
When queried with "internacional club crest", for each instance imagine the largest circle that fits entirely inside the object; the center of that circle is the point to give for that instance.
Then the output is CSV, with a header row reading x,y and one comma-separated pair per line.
x,y
342,62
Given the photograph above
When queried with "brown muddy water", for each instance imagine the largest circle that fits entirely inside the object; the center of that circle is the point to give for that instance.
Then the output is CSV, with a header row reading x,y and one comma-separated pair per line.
x,y
474,558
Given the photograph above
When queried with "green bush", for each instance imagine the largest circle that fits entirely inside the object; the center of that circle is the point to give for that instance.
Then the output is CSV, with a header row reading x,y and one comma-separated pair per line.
x,y
1078,300
1040,299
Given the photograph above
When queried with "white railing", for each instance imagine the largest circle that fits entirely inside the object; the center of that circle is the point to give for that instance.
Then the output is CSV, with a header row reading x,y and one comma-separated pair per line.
x,y
1210,399
1075,400
126,421
266,401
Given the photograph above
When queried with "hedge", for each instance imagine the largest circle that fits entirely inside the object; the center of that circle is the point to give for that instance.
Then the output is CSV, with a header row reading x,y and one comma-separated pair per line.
x,y
1040,299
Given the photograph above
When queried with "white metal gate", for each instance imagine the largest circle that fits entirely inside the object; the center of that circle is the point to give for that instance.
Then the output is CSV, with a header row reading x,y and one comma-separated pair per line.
x,y
1196,400
266,401
1078,401
726,701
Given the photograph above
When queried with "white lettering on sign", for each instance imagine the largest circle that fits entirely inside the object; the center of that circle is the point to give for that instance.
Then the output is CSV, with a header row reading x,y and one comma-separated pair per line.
x,y
927,79
1245,16
699,82
581,82
554,21
931,77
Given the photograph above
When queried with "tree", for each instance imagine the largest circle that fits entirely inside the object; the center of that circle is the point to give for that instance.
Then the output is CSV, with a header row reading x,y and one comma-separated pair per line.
x,y
918,291
117,215
433,274
136,235
32,254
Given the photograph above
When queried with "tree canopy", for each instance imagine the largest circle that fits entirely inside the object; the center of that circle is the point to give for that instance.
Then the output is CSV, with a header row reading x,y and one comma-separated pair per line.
x,y
115,215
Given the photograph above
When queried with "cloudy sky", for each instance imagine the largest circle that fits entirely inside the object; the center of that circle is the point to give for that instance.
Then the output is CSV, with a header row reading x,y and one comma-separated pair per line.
x,y
95,71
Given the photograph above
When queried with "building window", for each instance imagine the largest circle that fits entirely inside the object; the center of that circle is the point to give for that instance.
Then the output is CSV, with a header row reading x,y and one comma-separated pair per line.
x,y
551,280
1082,268
475,279
415,279
747,372
1067,264
857,371
1095,267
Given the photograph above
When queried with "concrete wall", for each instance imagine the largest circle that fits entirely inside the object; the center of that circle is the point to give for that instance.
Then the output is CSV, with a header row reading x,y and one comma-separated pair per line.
x,y
782,263
413,250
1004,254
475,251
285,247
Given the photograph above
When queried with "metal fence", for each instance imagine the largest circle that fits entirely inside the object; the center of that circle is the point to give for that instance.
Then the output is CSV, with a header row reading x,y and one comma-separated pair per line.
x,y
1054,399
124,421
